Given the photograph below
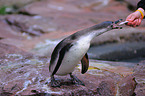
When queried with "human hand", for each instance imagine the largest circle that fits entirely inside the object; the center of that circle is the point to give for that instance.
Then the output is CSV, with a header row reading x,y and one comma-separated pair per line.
x,y
135,18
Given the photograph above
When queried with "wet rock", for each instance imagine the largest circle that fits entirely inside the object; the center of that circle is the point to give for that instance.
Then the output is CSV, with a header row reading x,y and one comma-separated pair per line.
x,y
15,69
45,48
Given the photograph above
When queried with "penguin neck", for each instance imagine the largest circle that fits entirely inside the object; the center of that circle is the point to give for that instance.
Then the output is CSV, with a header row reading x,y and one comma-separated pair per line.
x,y
98,32
93,33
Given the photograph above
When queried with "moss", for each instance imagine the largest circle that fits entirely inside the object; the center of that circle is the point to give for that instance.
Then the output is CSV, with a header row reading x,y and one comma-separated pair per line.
x,y
3,10
8,9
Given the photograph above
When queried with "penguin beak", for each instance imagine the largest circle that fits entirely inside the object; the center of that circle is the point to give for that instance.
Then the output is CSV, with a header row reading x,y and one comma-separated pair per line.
x,y
115,25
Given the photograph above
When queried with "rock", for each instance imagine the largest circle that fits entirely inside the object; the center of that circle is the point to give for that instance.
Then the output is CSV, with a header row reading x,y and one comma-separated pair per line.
x,y
45,48
15,2
49,6
139,77
23,84
6,49
30,76
53,20
64,6
7,32
23,24
11,36
129,80
13,7
38,25
132,4
13,62
12,54
120,36
77,13
103,87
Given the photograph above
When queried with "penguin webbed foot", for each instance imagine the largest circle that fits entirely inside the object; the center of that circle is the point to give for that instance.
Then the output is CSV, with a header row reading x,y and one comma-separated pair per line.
x,y
54,82
76,80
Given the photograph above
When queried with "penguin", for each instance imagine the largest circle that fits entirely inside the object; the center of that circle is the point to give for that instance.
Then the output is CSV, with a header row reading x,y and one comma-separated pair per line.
x,y
72,49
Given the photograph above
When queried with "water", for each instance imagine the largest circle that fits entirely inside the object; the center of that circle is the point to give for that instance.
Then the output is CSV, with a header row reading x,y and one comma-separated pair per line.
x,y
123,52
134,60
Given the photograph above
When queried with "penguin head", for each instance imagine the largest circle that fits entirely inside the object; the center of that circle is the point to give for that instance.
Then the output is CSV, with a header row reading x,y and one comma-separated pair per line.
x,y
114,25
111,25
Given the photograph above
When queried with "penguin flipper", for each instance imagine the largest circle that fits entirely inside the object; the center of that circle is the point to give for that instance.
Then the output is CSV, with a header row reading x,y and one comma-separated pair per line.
x,y
85,63
61,56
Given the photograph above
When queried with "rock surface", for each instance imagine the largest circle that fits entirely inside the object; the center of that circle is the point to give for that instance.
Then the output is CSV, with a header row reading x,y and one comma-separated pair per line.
x,y
139,75
15,2
22,75
44,25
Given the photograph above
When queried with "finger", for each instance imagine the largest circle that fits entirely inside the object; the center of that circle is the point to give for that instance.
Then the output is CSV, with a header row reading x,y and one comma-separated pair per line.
x,y
134,23
131,23
139,21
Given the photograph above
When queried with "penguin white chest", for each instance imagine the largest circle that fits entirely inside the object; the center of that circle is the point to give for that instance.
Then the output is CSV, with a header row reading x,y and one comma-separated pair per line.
x,y
73,56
